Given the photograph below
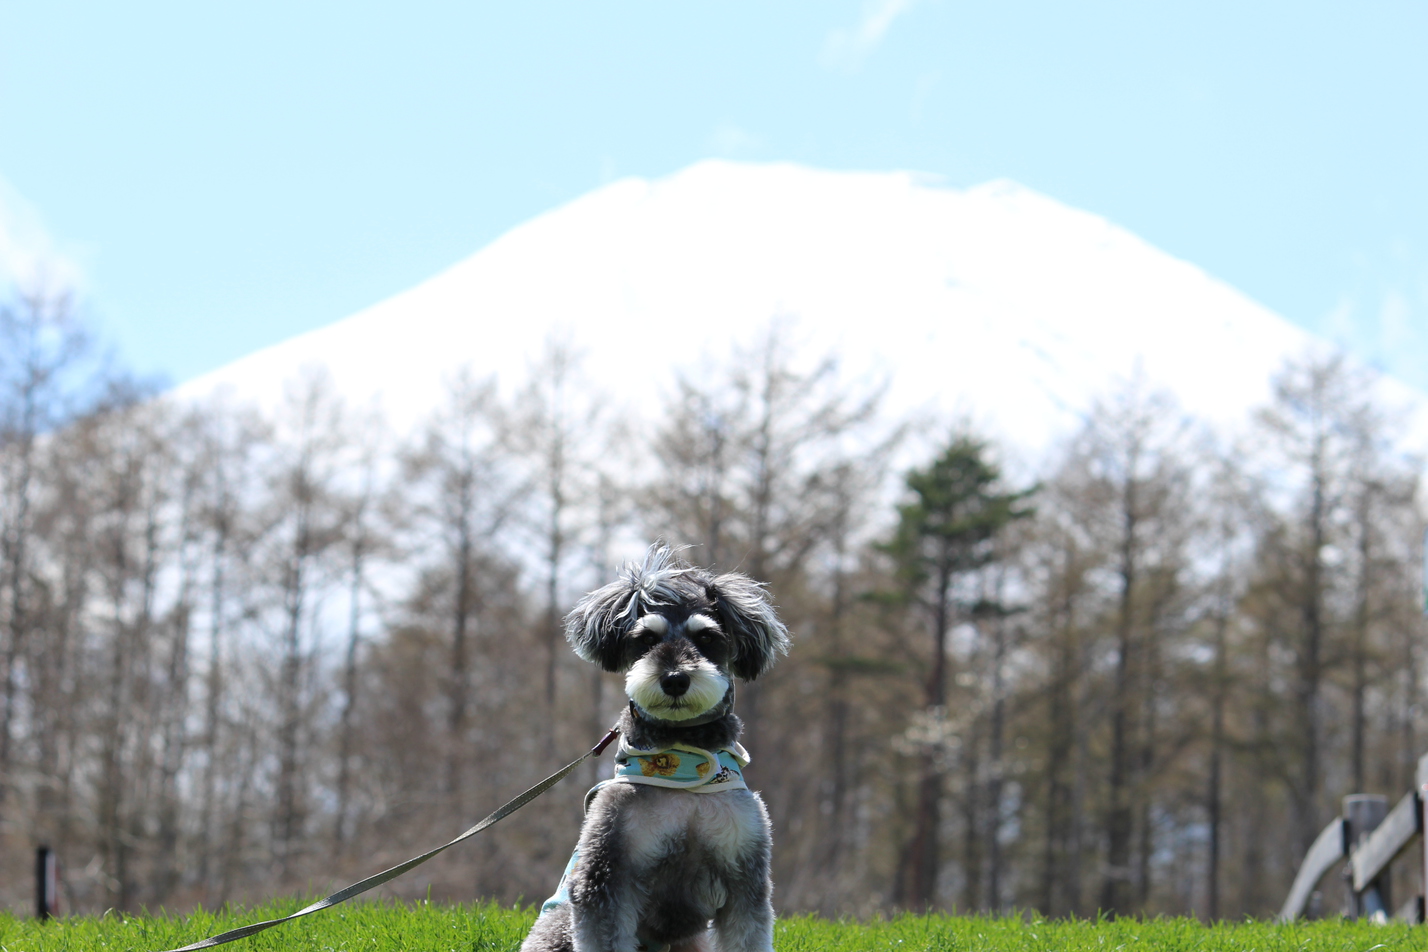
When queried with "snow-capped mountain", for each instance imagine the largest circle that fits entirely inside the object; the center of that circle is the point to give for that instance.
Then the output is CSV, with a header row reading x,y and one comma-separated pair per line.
x,y
993,301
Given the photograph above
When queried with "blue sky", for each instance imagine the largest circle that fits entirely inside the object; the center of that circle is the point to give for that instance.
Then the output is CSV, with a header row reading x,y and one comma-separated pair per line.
x,y
222,176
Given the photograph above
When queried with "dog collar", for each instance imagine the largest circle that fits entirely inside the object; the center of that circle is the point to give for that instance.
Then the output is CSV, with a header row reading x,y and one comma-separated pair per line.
x,y
724,707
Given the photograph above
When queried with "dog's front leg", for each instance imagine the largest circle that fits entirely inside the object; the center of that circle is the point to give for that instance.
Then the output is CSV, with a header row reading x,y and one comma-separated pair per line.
x,y
604,902
745,922
606,921
602,928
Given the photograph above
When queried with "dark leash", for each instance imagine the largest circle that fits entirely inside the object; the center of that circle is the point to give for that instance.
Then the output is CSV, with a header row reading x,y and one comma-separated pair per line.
x,y
371,882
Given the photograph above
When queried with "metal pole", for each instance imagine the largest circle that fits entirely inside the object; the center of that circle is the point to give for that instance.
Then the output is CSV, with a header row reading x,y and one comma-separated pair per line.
x,y
46,891
1422,779
1425,571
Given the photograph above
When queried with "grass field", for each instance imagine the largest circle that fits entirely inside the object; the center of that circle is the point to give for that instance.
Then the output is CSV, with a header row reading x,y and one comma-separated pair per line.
x,y
437,928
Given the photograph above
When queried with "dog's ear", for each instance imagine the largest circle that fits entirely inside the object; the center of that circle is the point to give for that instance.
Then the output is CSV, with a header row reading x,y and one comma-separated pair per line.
x,y
600,620
748,618
597,626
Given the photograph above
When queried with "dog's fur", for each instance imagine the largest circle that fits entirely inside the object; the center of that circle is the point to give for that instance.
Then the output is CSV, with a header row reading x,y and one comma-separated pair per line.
x,y
659,866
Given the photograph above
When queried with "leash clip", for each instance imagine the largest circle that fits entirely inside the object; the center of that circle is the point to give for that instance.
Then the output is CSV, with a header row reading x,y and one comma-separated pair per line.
x,y
599,748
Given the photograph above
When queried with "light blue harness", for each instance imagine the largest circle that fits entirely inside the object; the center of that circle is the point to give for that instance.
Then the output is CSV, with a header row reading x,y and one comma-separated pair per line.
x,y
679,767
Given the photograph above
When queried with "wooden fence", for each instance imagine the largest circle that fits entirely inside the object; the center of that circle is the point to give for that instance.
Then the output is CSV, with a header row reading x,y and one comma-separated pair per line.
x,y
1370,836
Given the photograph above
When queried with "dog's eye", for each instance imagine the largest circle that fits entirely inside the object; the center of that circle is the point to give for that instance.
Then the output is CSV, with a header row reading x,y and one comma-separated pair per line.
x,y
647,637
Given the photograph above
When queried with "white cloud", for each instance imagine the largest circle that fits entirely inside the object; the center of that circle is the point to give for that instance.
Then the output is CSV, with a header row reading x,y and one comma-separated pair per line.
x,y
729,140
1340,324
846,49
1402,337
1392,336
921,92
1397,329
29,256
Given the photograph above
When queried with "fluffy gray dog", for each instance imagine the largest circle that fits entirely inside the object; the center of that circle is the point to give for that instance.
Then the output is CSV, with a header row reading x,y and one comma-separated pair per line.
x,y
675,843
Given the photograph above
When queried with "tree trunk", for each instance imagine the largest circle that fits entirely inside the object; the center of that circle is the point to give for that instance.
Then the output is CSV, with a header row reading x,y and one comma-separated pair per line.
x,y
1115,882
1310,667
922,852
1214,791
996,770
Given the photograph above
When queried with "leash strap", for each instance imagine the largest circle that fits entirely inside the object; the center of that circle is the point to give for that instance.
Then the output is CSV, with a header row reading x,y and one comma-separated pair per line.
x,y
342,895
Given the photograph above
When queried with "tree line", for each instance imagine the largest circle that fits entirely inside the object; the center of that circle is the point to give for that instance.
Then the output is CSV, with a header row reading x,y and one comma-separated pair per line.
x,y
248,653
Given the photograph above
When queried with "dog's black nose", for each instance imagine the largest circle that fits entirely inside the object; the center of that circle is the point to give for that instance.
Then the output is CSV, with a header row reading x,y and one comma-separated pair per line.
x,y
675,683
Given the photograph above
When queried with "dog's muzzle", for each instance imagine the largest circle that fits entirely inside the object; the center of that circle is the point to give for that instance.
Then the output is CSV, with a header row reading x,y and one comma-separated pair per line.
x,y
686,695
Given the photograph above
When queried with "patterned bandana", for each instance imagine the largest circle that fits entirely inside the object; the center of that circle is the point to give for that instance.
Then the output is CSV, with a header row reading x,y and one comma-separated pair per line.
x,y
682,767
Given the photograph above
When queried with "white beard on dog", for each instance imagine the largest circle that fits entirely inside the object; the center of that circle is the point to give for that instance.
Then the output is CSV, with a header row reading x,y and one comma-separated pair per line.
x,y
707,687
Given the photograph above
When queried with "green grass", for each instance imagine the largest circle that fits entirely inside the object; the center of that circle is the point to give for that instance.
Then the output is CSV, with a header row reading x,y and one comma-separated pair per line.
x,y
439,928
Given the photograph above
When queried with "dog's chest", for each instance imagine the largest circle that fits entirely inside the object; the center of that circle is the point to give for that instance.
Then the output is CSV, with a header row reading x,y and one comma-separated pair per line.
x,y
721,827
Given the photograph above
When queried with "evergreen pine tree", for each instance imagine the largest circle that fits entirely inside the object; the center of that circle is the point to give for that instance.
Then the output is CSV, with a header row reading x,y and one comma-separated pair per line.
x,y
945,534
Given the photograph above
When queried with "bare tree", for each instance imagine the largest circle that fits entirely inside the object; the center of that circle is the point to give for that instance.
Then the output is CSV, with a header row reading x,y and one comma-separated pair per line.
x,y
1060,563
1314,399
557,426
134,537
40,345
1228,544
226,448
305,525
364,540
465,497
1139,484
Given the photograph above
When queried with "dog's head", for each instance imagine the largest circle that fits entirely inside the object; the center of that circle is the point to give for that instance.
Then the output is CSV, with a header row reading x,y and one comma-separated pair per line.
x,y
678,632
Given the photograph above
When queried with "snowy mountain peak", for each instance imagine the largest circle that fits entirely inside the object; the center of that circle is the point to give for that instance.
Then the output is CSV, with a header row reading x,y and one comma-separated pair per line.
x,y
994,299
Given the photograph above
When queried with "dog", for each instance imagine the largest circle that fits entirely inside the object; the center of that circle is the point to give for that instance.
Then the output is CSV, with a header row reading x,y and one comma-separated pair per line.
x,y
675,849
